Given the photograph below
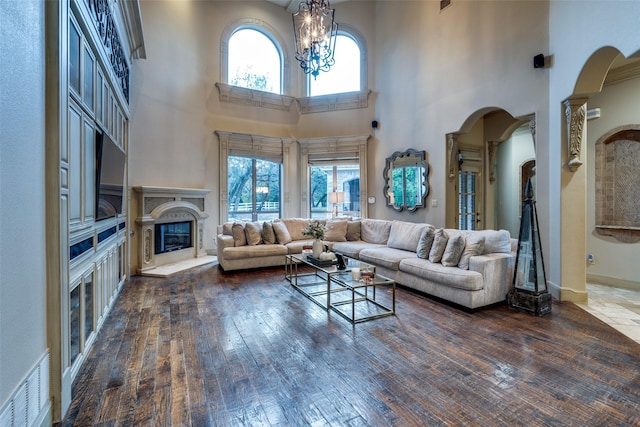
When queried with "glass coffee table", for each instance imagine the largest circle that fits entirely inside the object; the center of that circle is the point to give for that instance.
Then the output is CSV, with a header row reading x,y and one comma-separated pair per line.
x,y
343,291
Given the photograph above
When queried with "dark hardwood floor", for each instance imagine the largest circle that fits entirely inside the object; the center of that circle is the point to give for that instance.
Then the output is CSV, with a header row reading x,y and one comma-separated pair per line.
x,y
208,348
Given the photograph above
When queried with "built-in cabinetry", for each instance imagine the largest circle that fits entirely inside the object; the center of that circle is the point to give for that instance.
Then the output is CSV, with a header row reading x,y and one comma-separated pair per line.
x,y
91,263
97,249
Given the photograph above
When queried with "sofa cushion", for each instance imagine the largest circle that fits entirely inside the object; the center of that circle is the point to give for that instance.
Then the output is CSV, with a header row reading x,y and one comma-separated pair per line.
x,y
453,251
495,241
385,257
336,231
237,231
405,235
268,235
352,249
253,233
439,245
244,252
474,245
375,230
353,231
282,233
227,228
296,246
446,276
295,226
425,242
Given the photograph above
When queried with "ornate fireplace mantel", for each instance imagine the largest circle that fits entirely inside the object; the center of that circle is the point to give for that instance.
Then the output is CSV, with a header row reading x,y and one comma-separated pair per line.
x,y
159,205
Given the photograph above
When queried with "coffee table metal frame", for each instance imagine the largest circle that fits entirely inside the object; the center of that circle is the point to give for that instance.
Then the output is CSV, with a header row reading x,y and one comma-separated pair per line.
x,y
361,292
323,281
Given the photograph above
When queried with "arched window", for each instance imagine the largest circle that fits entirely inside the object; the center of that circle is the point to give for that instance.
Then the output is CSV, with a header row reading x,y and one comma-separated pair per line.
x,y
345,74
254,61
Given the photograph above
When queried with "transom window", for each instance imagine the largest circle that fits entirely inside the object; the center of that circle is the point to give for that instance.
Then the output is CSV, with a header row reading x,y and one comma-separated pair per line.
x,y
254,61
344,75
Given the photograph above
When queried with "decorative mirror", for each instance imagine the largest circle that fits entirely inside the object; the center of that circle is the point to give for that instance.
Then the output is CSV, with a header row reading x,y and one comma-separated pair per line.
x,y
406,180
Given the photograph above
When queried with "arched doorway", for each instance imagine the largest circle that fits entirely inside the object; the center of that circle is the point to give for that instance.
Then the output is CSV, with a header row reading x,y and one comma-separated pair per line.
x,y
484,159
604,97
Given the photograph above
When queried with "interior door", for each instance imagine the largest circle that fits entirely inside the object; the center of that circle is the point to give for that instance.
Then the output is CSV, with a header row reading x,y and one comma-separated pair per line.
x,y
470,191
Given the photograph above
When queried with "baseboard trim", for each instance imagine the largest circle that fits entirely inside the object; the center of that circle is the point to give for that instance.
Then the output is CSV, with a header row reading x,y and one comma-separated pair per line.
x,y
30,403
45,419
572,295
613,281
568,294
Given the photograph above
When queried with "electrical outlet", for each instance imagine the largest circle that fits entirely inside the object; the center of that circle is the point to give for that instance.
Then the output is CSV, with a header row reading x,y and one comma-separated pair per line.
x,y
434,203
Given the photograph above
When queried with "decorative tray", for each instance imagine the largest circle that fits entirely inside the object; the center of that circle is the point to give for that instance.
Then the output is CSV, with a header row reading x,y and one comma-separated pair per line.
x,y
321,262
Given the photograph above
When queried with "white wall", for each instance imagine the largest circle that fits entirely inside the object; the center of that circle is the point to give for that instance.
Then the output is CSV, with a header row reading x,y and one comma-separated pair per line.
x,y
435,69
615,261
22,211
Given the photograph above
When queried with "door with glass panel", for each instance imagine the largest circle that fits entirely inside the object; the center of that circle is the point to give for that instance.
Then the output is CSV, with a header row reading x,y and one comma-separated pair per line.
x,y
470,194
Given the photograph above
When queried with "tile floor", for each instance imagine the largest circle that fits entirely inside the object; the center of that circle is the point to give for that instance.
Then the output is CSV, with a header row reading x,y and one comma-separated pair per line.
x,y
617,307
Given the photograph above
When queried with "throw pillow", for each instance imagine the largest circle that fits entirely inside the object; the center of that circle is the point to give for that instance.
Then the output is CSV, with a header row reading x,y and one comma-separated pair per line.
x,y
268,235
405,235
474,246
425,242
353,231
336,231
281,232
439,245
496,241
227,228
295,227
375,230
237,231
253,232
453,250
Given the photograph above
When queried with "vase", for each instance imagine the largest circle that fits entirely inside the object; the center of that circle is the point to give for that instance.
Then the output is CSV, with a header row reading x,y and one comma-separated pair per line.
x,y
318,248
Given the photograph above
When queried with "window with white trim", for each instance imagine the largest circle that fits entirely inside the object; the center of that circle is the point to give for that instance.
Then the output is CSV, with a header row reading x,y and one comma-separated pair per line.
x,y
345,74
254,188
254,61
334,165
340,177
253,169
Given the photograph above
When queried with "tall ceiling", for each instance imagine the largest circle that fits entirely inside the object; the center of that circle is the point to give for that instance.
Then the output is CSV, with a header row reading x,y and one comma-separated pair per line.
x,y
292,5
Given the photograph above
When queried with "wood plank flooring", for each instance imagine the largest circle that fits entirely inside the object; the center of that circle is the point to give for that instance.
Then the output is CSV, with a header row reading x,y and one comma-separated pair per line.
x,y
209,348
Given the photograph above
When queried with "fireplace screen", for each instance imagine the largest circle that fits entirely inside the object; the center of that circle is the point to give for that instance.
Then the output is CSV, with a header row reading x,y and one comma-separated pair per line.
x,y
172,237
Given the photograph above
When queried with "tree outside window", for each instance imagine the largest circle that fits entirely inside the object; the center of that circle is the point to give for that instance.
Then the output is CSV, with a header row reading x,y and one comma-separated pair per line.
x,y
254,61
327,178
254,189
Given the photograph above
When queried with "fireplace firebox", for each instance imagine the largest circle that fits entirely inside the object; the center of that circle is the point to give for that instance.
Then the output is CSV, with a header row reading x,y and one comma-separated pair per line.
x,y
173,237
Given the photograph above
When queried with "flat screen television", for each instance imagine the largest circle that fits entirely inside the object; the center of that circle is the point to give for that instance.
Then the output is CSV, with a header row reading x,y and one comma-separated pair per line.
x,y
110,163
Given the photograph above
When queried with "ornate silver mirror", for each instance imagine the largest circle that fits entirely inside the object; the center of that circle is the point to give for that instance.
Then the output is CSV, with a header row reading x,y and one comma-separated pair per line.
x,y
406,180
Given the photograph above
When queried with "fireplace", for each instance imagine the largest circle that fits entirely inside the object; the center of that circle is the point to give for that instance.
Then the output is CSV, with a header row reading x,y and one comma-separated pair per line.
x,y
172,237
170,226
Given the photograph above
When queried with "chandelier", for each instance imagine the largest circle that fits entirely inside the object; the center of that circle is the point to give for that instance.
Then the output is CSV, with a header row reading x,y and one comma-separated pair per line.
x,y
315,36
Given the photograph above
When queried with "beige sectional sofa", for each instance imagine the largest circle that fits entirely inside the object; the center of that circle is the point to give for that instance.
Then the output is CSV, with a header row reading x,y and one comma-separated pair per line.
x,y
469,268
